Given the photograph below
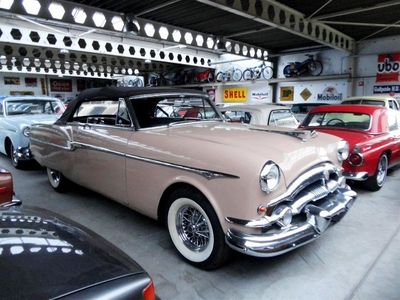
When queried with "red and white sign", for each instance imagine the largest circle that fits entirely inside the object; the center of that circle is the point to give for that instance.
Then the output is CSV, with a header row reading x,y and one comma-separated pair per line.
x,y
388,67
60,85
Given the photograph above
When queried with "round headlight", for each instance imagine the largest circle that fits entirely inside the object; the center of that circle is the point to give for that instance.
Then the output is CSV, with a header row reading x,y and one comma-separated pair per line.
x,y
26,131
343,150
270,177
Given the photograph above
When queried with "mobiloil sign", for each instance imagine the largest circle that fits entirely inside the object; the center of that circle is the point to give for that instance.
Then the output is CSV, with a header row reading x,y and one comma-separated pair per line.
x,y
330,94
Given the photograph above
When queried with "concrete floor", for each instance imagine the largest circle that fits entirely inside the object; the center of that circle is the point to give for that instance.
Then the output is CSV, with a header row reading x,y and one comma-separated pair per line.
x,y
358,259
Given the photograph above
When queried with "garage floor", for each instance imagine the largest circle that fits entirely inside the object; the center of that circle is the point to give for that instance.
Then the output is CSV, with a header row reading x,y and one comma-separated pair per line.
x,y
357,259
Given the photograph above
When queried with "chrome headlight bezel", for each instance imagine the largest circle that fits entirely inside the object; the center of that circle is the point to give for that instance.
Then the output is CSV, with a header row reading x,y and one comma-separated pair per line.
x,y
343,150
26,131
270,177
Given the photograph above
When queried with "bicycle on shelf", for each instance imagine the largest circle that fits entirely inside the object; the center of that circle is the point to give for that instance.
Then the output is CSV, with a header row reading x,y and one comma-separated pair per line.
x,y
233,73
260,71
135,82
310,66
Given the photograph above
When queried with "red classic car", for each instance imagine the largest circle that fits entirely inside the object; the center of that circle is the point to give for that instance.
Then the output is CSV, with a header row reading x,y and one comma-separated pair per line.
x,y
6,186
373,133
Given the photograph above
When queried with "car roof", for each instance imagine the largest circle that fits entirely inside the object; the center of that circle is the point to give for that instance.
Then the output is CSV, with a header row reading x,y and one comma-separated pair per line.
x,y
311,103
27,97
108,93
55,255
369,109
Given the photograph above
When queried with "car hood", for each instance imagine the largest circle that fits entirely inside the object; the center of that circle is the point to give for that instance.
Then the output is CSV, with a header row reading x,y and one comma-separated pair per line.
x,y
222,147
50,255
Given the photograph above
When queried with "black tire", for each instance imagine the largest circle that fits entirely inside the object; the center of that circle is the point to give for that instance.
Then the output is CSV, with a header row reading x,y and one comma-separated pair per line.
x,y
268,72
16,162
236,75
211,77
202,242
286,71
376,181
247,75
57,180
315,68
220,77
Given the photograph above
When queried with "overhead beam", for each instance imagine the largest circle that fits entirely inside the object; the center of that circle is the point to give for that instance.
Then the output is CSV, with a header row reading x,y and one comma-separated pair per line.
x,y
148,30
279,16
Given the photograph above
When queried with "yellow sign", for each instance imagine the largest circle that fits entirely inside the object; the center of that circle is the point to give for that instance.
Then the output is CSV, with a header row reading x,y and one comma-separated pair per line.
x,y
234,95
305,94
287,93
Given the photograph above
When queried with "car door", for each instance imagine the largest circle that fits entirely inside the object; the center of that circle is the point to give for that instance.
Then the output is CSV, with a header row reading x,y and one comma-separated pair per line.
x,y
394,130
100,152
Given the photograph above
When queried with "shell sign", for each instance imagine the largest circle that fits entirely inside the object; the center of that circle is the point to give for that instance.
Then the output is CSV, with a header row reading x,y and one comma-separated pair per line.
x,y
235,94
388,67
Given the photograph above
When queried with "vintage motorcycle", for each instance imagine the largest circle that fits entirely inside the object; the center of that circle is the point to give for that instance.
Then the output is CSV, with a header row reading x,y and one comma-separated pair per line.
x,y
308,67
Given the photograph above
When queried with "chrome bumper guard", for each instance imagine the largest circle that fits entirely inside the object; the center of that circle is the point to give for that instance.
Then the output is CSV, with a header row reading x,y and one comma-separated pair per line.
x,y
24,153
329,211
356,176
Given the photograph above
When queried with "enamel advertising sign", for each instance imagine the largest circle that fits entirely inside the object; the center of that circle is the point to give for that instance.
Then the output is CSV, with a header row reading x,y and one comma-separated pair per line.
x,y
388,67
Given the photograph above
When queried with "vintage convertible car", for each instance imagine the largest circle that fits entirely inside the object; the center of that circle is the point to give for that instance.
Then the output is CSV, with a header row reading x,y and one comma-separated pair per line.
x,y
373,133
17,114
44,255
260,114
168,154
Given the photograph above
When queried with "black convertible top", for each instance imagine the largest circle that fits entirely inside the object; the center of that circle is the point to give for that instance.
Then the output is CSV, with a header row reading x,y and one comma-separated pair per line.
x,y
108,93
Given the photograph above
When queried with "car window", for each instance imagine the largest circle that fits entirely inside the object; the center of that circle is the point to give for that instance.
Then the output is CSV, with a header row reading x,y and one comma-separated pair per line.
x,y
159,111
393,104
366,102
238,116
393,122
358,121
33,106
103,112
282,117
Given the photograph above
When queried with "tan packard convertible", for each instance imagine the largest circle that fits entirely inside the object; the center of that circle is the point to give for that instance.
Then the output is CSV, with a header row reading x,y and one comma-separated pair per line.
x,y
168,154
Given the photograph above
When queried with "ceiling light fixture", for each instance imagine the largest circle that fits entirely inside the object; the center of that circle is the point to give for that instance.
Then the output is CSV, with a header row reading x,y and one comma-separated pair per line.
x,y
130,26
220,45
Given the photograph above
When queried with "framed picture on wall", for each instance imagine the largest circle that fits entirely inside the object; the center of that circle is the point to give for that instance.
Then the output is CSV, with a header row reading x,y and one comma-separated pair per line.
x,y
11,80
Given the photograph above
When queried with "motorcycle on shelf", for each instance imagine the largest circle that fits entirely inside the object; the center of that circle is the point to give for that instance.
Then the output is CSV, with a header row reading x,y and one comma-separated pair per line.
x,y
258,72
206,76
308,67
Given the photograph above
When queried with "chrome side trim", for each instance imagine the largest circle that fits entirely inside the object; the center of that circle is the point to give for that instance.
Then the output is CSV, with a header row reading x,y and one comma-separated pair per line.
x,y
209,174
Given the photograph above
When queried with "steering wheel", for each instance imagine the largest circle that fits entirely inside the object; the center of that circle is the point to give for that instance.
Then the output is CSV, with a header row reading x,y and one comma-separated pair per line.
x,y
337,121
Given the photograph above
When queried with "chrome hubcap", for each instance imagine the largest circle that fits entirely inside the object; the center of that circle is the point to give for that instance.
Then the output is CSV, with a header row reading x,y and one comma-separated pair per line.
x,y
192,228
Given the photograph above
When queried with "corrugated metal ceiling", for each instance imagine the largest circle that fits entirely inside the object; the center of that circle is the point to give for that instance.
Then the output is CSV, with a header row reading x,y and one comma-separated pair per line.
x,y
361,19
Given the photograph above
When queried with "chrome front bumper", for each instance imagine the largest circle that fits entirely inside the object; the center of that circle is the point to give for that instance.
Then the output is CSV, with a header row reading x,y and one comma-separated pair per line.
x,y
356,176
328,212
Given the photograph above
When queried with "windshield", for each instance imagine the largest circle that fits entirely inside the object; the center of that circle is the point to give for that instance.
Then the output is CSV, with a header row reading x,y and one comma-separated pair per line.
x,y
157,111
33,106
358,121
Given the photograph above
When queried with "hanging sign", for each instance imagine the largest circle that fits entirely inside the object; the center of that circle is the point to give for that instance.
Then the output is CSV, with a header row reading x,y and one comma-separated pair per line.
x,y
235,94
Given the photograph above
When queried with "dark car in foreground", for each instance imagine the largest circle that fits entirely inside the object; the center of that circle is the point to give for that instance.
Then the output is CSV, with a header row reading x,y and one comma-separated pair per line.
x,y
44,255
373,133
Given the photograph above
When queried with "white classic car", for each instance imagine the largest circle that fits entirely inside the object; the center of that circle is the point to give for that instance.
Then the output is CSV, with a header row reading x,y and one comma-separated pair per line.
x,y
260,114
17,114
168,154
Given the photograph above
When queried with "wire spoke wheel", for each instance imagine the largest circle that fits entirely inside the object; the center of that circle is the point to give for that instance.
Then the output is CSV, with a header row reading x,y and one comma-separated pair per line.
x,y
195,230
315,68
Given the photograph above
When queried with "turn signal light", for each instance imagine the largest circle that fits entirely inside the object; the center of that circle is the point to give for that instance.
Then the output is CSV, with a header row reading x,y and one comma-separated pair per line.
x,y
261,210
